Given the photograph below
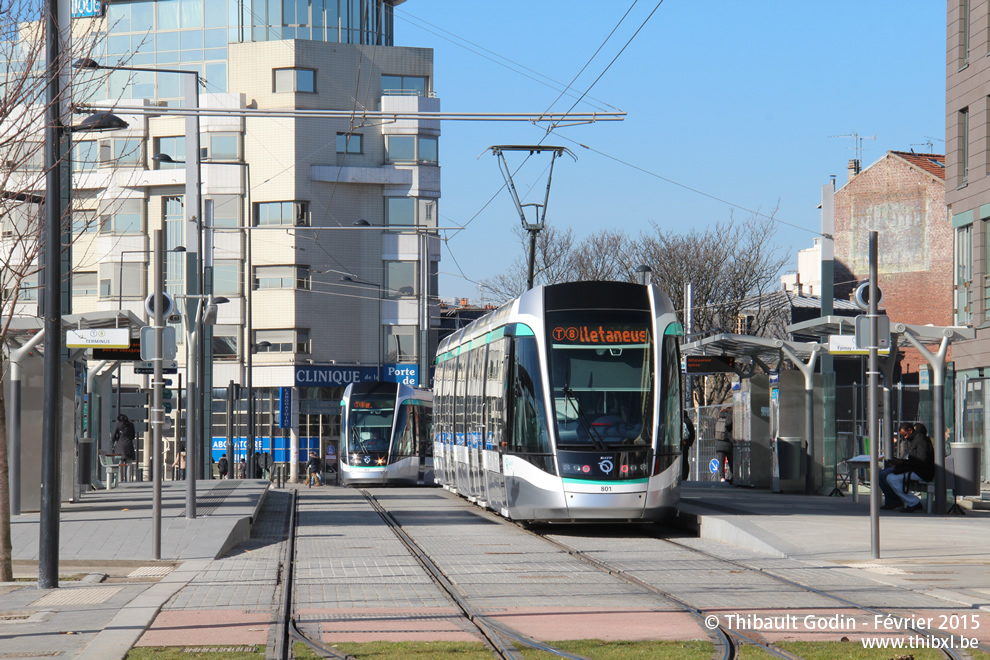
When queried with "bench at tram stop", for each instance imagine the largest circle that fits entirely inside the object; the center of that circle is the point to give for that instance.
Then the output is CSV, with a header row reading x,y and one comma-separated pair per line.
x,y
111,462
962,475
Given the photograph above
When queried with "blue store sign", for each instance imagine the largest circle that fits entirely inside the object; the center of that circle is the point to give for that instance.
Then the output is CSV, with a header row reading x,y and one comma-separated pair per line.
x,y
284,407
87,8
407,374
333,376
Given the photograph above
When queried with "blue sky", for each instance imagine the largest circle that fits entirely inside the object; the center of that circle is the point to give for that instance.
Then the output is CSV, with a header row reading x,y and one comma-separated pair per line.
x,y
737,100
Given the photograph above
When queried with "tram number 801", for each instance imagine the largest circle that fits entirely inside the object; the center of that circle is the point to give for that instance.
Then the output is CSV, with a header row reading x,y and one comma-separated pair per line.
x,y
606,489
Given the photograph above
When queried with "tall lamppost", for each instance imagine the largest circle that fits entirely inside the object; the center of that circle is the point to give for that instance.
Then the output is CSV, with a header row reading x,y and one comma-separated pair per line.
x,y
194,217
378,330
249,286
204,312
55,185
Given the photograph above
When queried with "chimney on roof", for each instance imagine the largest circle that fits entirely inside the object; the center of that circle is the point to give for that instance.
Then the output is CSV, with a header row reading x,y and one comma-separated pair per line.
x,y
853,168
463,302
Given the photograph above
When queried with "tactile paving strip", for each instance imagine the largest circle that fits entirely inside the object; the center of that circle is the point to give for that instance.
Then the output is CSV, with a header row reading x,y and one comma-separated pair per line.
x,y
151,571
83,596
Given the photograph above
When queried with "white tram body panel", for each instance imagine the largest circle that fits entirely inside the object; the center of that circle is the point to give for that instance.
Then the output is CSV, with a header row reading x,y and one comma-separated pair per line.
x,y
564,405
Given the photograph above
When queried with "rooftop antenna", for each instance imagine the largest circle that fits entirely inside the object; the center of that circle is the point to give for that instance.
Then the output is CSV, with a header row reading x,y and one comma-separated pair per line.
x,y
857,142
930,145
541,209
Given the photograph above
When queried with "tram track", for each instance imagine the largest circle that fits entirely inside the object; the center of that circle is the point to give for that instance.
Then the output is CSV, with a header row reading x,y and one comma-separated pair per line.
x,y
741,636
505,642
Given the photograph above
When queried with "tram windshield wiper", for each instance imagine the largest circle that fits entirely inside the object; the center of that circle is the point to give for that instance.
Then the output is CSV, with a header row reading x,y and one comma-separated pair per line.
x,y
592,431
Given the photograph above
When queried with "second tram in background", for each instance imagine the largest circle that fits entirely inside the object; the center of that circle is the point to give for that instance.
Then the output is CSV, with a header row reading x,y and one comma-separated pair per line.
x,y
564,405
385,435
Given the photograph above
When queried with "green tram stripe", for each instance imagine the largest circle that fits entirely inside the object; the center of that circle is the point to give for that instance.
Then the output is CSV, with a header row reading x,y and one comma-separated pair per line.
x,y
594,482
520,330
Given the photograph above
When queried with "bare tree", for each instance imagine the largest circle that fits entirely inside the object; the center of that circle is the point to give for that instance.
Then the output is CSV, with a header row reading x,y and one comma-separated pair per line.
x,y
728,265
24,76
607,255
553,264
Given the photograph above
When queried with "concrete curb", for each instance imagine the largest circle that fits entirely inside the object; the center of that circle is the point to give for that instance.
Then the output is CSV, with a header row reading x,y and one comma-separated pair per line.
x,y
126,628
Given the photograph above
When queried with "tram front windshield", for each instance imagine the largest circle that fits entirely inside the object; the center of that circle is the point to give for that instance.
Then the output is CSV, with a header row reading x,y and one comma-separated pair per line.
x,y
370,424
601,377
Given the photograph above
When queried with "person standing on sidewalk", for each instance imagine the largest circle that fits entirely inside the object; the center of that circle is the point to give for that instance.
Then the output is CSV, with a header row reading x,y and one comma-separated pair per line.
x,y
222,466
723,443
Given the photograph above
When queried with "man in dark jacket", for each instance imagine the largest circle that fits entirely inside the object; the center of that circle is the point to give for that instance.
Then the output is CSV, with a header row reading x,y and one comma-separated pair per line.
x,y
123,443
313,469
687,440
917,462
723,443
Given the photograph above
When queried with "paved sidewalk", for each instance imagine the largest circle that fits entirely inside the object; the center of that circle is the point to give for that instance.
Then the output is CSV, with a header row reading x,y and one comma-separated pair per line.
x,y
106,539
121,599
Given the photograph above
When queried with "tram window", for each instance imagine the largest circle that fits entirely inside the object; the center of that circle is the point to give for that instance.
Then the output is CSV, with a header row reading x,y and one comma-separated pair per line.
x,y
529,431
671,404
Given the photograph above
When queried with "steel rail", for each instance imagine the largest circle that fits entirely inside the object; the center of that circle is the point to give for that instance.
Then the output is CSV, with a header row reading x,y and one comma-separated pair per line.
x,y
491,630
839,599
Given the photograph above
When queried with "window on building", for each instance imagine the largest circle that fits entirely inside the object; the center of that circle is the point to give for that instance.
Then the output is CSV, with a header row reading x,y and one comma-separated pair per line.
x,y
964,32
122,152
400,343
281,277
122,216
27,291
294,80
400,211
400,279
227,277
221,147
294,214
122,279
964,275
226,210
403,85
174,147
745,324
85,155
22,220
84,284
282,341
25,155
226,339
83,221
963,148
350,143
411,149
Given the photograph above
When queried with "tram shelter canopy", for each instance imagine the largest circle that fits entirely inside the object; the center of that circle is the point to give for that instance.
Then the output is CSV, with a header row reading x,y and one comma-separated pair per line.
x,y
825,326
759,351
22,328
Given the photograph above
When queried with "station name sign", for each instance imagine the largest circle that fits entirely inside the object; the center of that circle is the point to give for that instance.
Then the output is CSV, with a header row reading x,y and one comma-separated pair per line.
x,y
87,8
709,364
597,334
101,338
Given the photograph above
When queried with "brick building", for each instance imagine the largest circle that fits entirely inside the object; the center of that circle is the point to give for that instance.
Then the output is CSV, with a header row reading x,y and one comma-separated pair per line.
x,y
902,197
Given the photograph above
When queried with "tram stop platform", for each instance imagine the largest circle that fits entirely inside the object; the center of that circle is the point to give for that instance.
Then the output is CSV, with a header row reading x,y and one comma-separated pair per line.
x,y
109,602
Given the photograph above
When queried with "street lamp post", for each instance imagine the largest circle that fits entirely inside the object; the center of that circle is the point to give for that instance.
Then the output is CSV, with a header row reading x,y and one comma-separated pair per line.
x,y
201,315
378,331
194,219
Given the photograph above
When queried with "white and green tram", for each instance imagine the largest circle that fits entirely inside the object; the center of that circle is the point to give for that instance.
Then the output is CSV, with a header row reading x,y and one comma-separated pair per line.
x,y
385,435
564,405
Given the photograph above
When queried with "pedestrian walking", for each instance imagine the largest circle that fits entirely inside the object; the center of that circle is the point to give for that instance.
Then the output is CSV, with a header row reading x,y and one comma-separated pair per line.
x,y
222,466
313,469
123,444
179,464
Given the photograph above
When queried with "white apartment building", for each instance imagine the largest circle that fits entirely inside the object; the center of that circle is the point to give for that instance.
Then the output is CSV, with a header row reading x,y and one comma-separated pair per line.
x,y
307,200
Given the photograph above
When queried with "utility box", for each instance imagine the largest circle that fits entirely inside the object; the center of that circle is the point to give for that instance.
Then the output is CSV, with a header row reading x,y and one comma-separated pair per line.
x,y
967,457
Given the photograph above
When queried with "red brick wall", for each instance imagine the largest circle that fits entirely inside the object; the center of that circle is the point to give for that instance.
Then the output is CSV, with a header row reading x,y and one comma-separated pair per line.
x,y
906,206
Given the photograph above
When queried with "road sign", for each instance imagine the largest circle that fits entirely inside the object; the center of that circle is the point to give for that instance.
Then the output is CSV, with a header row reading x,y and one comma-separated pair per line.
x,y
846,345
100,338
713,465
168,367
148,343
